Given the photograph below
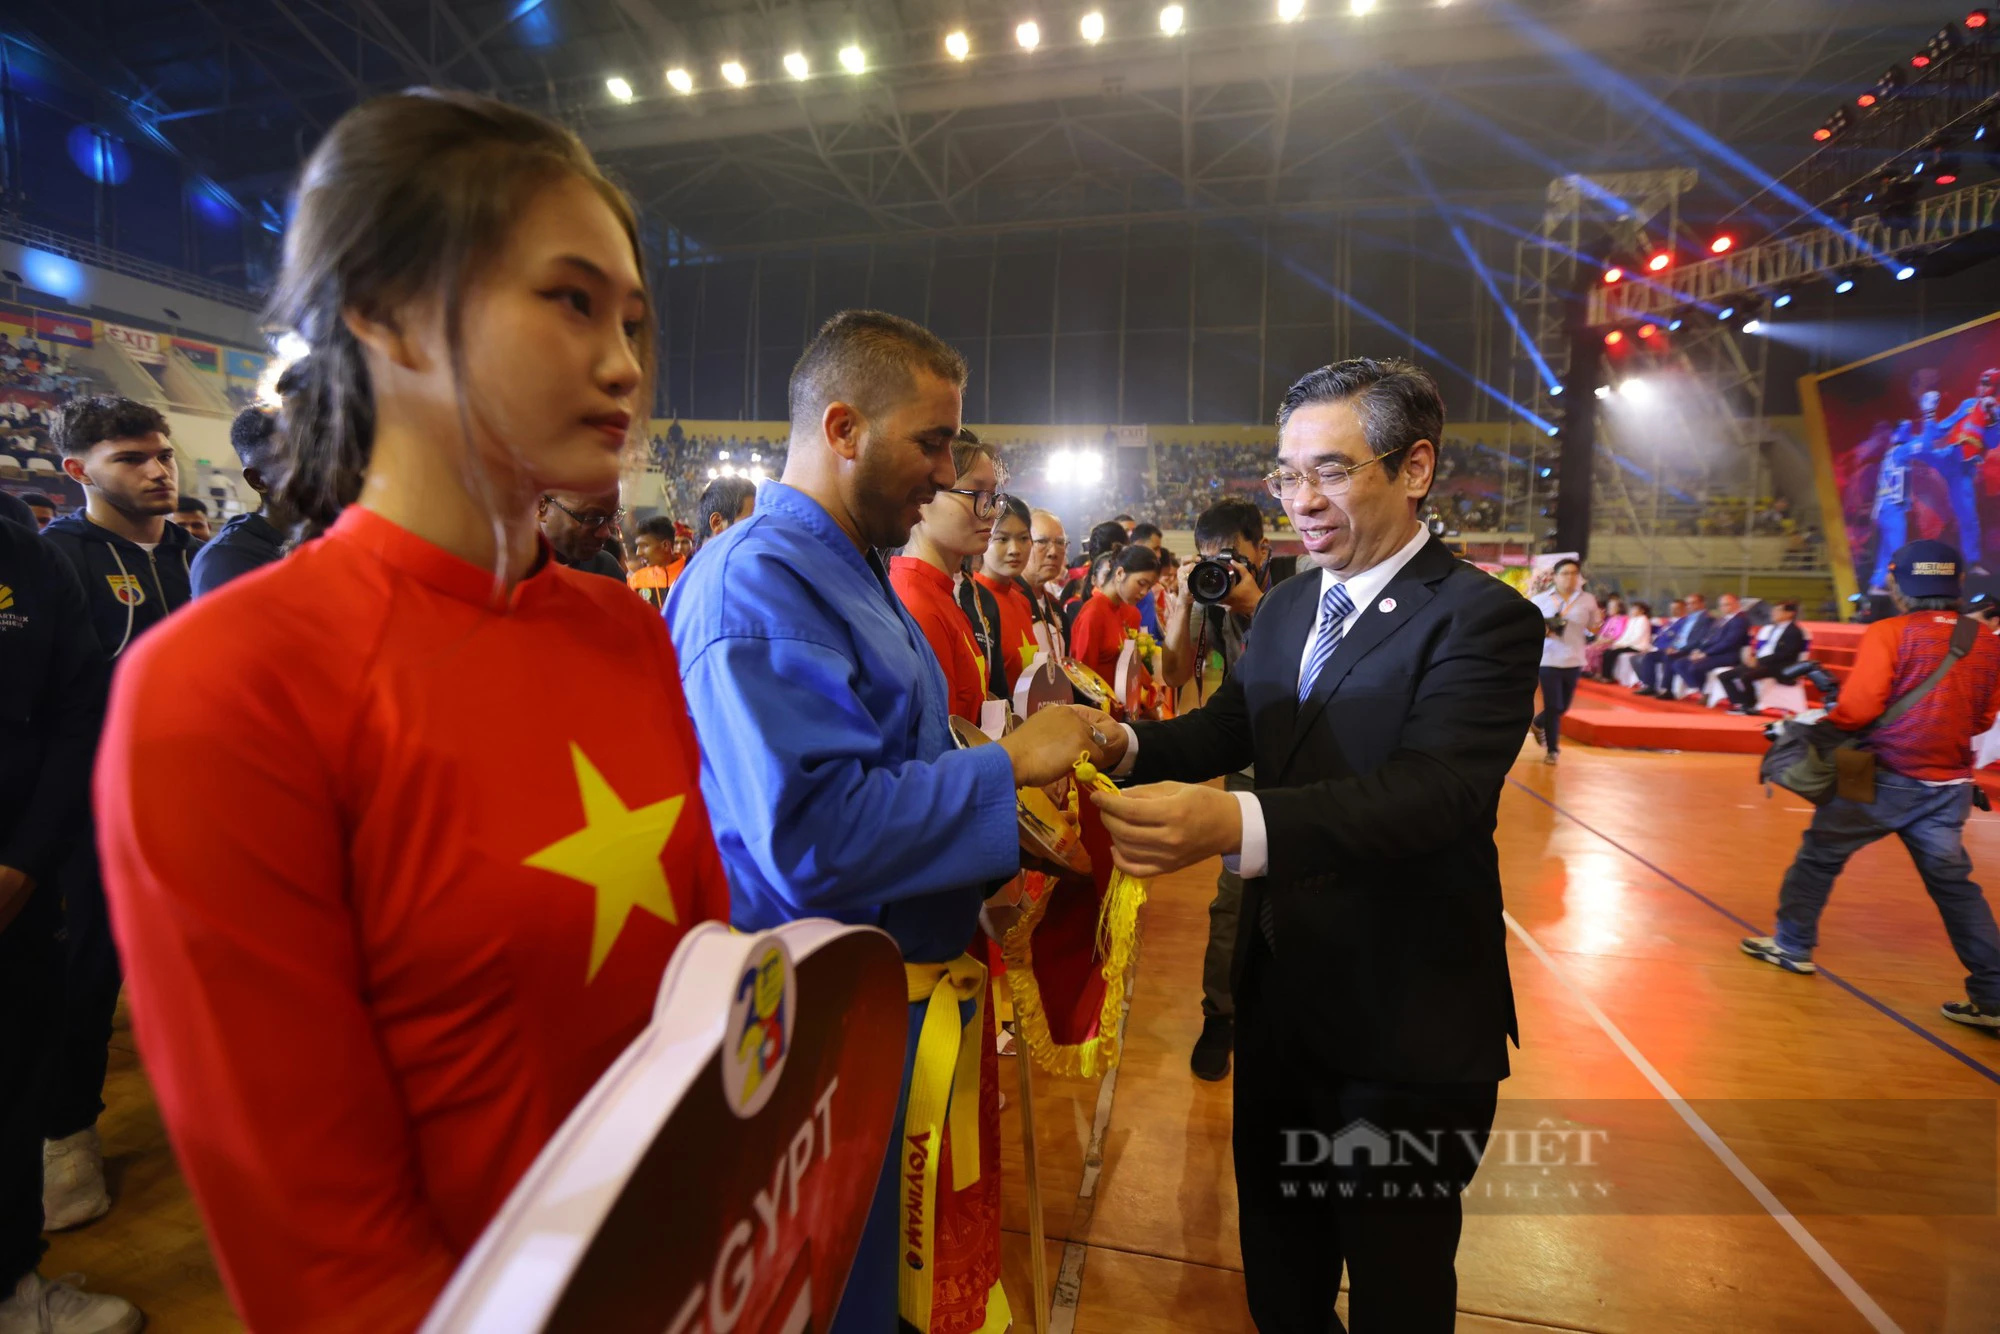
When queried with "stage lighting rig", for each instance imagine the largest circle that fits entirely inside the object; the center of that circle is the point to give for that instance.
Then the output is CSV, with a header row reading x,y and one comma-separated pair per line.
x,y
1722,244
1978,20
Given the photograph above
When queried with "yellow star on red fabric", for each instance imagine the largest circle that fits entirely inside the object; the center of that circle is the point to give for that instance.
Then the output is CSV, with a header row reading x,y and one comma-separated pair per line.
x,y
617,853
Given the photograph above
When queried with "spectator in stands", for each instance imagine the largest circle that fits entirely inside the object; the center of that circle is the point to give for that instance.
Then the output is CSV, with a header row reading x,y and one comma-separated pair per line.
x,y
248,541
1923,781
39,505
56,672
1777,646
728,500
191,513
1636,636
578,527
1570,616
1111,615
956,524
1615,616
999,573
1658,668
1722,647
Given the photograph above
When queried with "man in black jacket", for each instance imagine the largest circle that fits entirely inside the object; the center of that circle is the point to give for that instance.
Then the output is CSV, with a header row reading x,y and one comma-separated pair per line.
x,y
56,674
1382,702
133,563
134,566
248,541
1771,650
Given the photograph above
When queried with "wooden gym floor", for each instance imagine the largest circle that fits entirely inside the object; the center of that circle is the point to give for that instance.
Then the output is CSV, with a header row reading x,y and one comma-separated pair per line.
x,y
1776,1152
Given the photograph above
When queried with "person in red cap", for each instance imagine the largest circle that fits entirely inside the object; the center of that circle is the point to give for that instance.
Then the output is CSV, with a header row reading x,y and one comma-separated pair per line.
x,y
1924,787
421,890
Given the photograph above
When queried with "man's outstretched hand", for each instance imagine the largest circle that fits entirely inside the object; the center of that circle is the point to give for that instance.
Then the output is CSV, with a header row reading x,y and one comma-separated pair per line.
x,y
1163,827
1046,747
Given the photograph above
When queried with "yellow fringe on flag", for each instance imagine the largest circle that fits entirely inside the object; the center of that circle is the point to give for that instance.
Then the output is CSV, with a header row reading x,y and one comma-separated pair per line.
x,y
1117,938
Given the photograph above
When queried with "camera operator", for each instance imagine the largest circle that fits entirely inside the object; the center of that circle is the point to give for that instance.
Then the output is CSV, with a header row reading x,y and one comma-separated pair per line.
x,y
1570,616
1228,583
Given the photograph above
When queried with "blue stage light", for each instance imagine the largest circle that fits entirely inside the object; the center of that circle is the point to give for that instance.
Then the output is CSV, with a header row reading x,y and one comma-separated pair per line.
x,y
52,274
1784,299
1725,312
1844,286
1905,273
1673,326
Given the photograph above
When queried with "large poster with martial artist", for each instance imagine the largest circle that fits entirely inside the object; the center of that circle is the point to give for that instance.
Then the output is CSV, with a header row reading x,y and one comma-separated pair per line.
x,y
1905,442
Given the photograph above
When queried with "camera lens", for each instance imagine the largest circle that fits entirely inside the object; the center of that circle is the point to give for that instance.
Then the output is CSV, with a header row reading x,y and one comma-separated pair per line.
x,y
1211,579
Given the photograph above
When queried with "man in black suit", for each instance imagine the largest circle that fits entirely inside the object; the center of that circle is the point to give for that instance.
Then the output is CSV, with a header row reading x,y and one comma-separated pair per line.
x,y
1777,646
1382,700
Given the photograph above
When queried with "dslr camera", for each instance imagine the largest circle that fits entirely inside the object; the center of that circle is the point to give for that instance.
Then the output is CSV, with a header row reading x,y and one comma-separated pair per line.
x,y
1211,579
1556,625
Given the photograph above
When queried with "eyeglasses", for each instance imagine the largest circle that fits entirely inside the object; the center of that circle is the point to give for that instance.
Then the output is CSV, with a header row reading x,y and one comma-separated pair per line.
x,y
984,503
1062,542
591,518
1329,479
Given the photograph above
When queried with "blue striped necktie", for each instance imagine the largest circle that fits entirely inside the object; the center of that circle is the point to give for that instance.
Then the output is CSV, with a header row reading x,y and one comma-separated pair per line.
x,y
1334,609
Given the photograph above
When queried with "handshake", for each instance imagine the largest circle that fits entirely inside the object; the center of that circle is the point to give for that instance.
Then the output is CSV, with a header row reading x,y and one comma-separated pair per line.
x,y
1045,748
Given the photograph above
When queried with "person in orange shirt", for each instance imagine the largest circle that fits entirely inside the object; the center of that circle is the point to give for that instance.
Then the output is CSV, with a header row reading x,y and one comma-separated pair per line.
x,y
999,573
420,893
953,526
1111,616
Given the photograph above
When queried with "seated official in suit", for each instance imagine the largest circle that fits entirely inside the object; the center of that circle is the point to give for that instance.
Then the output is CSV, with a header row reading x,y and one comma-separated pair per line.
x,y
1777,646
1382,699
1670,646
1722,646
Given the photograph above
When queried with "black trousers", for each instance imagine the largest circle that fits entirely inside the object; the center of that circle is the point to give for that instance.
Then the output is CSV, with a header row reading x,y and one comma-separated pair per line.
x,y
1740,684
30,984
1608,669
91,977
1558,691
1334,1171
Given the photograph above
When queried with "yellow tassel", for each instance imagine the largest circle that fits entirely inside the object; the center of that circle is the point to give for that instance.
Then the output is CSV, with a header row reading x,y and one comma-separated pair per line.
x,y
1117,940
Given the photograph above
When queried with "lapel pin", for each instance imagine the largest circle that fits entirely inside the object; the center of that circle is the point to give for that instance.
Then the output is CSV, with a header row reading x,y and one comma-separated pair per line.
x,y
1386,605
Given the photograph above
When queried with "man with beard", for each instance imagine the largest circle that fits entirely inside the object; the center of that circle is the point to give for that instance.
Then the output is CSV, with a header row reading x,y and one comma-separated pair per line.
x,y
135,570
835,789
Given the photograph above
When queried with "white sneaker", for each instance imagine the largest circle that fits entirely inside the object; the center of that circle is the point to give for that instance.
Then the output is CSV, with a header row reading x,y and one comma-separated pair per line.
x,y
73,1181
55,1306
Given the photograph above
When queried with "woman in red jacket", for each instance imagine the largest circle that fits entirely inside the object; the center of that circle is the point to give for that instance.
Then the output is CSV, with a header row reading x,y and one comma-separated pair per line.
x,y
1111,616
447,826
953,526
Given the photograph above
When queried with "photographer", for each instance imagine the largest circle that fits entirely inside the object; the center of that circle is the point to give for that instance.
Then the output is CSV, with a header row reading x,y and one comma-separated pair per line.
x,y
1229,536
1570,616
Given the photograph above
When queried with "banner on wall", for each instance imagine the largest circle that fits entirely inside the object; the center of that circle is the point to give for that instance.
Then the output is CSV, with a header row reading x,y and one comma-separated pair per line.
x,y
44,326
242,365
205,357
1907,446
1128,437
146,347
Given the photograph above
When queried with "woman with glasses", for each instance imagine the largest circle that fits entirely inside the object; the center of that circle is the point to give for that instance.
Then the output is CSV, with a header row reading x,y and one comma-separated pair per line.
x,y
999,573
955,525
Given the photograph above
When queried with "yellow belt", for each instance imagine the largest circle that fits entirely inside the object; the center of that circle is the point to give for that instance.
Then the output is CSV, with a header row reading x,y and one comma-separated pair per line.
x,y
944,1083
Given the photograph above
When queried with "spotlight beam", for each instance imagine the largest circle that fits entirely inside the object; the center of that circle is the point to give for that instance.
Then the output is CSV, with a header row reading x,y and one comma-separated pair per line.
x,y
1479,269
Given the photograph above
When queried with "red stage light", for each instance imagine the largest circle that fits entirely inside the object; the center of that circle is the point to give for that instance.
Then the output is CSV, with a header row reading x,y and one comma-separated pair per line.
x,y
1976,19
1659,261
1865,100
1614,338
1613,274
1722,244
1648,330
1822,134
1947,178
1920,61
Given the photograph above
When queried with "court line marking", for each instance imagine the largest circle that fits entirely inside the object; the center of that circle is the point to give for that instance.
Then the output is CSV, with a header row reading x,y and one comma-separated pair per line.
x,y
1964,1057
1876,1317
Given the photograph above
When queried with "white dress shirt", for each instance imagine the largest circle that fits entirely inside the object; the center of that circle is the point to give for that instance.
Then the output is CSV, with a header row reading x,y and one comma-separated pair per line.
x,y
1253,855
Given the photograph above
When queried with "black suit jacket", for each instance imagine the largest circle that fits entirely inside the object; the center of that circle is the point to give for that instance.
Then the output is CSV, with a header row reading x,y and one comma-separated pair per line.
x,y
1786,649
1379,796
